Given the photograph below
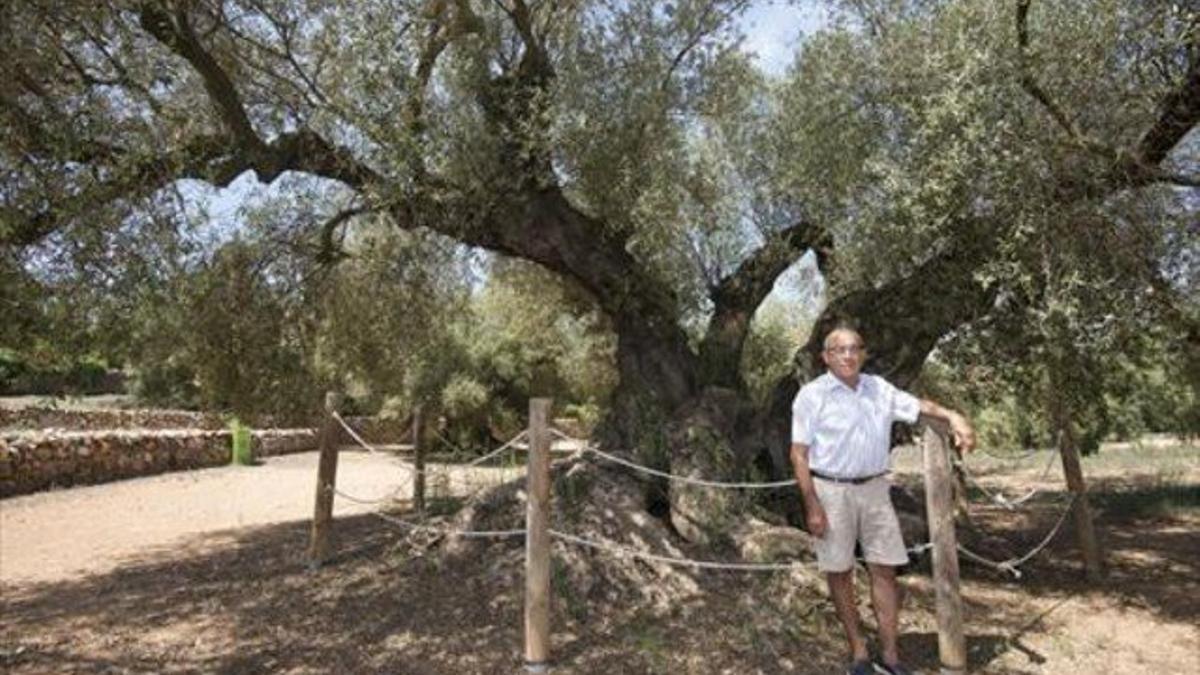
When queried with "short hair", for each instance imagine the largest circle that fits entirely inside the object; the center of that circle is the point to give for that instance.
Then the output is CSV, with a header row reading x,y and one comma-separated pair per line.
x,y
843,328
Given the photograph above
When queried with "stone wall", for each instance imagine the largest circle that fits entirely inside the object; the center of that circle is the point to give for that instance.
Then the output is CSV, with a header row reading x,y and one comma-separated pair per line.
x,y
44,447
37,460
86,420
372,429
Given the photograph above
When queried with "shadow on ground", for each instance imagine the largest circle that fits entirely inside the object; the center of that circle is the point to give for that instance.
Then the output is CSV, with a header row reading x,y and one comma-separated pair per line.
x,y
244,601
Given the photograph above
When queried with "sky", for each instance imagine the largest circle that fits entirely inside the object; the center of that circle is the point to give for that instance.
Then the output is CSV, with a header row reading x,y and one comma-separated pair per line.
x,y
774,30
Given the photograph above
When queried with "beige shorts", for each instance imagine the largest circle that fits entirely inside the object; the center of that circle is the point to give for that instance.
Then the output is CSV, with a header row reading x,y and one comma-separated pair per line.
x,y
858,513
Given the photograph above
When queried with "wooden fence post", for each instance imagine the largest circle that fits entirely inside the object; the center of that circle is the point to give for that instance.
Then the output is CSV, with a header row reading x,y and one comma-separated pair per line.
x,y
939,509
319,545
537,540
418,463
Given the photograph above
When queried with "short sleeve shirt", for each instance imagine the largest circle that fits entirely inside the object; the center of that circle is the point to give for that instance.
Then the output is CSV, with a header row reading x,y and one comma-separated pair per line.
x,y
848,431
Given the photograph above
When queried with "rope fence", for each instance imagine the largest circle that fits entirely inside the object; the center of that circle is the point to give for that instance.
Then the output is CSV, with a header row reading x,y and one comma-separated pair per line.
x,y
537,441
412,469
1010,565
684,479
998,497
446,532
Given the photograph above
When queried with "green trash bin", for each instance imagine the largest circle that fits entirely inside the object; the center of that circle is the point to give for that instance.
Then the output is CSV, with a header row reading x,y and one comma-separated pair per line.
x,y
243,450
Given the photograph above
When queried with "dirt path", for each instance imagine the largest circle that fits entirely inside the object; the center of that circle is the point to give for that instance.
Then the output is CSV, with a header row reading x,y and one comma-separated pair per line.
x,y
67,534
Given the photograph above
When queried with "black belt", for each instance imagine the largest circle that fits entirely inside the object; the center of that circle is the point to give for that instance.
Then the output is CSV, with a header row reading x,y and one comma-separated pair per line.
x,y
851,481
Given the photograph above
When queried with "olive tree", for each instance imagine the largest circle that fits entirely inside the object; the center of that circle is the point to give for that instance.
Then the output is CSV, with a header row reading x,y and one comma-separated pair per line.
x,y
931,155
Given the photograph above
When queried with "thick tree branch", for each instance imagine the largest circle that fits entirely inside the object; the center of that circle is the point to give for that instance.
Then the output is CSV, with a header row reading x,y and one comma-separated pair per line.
x,y
302,150
542,226
309,152
212,159
738,296
522,20
177,35
205,158
1178,114
443,29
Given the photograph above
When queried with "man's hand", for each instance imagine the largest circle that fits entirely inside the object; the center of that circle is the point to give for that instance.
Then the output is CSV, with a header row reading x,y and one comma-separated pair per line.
x,y
814,517
964,433
960,427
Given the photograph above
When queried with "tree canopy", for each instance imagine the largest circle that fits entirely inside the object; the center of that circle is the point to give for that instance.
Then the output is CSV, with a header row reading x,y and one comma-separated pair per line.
x,y
1012,171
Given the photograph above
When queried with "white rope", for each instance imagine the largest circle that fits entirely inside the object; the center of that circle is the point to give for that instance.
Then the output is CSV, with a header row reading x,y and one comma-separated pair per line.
x,y
1012,564
997,496
412,470
458,449
920,548
478,460
429,528
684,479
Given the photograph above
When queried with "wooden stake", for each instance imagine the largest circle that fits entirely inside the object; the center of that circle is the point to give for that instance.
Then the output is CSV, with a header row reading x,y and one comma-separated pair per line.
x,y
418,463
939,505
537,540
319,545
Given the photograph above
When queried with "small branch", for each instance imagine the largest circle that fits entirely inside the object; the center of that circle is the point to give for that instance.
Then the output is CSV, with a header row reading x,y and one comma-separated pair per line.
x,y
1178,114
328,251
1181,181
703,30
1027,80
534,64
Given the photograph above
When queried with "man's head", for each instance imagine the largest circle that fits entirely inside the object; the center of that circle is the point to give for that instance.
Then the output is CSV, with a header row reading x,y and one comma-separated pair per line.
x,y
844,354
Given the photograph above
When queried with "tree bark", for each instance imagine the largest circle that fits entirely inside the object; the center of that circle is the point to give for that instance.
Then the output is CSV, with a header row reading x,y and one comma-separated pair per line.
x,y
900,323
1085,530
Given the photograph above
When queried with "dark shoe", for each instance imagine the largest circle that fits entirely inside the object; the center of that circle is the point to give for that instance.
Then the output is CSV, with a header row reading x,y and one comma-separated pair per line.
x,y
885,669
860,668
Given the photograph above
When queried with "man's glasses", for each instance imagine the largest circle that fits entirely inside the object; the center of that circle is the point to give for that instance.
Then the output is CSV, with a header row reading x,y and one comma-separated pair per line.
x,y
845,350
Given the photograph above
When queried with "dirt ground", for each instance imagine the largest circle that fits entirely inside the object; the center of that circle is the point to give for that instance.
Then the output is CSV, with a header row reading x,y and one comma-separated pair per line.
x,y
204,572
82,532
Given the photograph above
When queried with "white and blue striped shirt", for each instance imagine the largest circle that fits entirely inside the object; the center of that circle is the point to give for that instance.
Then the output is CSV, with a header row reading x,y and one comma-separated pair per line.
x,y
848,431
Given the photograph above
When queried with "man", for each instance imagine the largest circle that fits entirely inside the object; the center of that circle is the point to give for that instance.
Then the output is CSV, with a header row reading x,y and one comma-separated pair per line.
x,y
841,438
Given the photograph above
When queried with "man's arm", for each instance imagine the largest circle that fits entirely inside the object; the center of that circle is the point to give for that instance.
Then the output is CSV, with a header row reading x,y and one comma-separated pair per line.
x,y
814,513
960,426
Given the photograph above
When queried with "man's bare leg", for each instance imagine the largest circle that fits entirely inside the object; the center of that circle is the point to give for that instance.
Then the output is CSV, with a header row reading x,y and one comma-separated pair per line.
x,y
885,600
841,589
